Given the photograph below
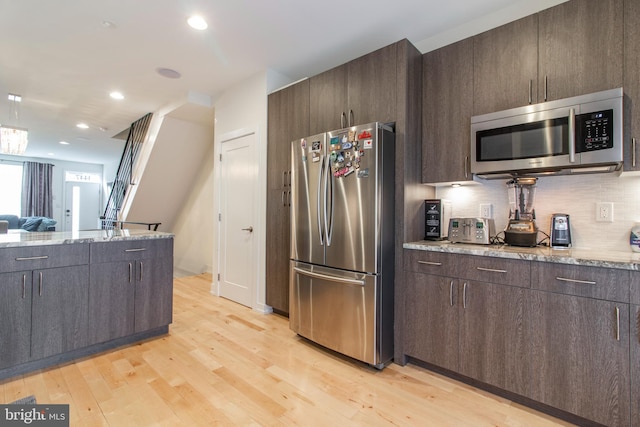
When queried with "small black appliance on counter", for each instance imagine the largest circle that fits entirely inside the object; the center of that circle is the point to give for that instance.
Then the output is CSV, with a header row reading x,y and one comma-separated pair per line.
x,y
560,231
436,219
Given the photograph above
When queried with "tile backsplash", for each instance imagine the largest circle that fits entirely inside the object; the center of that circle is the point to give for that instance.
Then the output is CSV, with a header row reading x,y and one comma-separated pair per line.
x,y
575,195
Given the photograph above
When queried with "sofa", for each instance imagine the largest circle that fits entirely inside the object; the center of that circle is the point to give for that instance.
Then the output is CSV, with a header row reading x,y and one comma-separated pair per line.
x,y
29,223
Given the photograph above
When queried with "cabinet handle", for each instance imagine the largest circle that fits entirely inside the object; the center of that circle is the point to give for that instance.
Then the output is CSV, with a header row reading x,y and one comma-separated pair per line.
x,y
633,152
464,295
135,250
40,284
617,324
284,203
530,91
31,258
437,264
451,293
24,286
545,87
351,118
343,120
141,270
284,178
584,282
491,270
289,198
130,272
289,183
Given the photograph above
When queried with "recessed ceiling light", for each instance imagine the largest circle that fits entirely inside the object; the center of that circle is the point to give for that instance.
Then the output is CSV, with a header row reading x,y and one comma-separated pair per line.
x,y
63,143
168,73
14,97
108,24
82,126
197,22
116,95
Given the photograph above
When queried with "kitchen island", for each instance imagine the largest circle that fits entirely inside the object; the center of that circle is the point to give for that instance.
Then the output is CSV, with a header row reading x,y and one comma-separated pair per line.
x,y
557,330
65,295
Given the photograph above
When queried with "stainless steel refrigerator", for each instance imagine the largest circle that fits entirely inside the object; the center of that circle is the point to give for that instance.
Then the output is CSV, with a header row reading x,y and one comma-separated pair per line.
x,y
342,241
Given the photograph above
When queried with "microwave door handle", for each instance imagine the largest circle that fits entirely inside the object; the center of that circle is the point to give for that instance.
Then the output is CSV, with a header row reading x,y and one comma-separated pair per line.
x,y
572,135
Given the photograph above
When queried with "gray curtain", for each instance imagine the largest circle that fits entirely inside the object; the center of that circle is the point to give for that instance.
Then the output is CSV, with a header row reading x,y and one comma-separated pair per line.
x,y
37,199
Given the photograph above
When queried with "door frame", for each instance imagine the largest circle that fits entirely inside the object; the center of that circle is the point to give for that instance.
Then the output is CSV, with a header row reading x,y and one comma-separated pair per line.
x,y
259,220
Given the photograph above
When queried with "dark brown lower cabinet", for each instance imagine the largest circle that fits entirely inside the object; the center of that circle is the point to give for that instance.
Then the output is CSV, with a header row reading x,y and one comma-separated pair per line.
x,y
432,318
494,335
635,365
580,356
474,328
15,318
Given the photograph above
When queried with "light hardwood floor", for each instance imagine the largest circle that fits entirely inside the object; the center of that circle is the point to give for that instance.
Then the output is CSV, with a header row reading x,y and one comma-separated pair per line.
x,y
224,364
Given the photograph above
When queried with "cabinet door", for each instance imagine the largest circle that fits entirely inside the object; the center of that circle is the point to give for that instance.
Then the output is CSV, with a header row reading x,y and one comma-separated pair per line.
x,y
494,344
111,294
59,310
447,107
372,87
580,48
15,318
632,85
431,319
505,62
288,120
635,365
153,293
277,256
580,356
328,100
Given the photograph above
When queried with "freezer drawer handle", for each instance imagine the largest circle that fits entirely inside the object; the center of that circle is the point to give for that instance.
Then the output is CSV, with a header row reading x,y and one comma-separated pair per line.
x,y
584,282
135,250
328,277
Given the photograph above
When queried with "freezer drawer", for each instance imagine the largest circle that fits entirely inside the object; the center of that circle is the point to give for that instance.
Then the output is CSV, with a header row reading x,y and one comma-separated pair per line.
x,y
338,310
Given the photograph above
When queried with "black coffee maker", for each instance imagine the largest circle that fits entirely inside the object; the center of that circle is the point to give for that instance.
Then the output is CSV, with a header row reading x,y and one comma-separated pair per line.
x,y
560,231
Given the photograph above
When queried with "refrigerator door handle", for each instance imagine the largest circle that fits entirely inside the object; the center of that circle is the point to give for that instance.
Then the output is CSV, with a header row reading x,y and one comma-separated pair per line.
x,y
319,214
329,277
329,218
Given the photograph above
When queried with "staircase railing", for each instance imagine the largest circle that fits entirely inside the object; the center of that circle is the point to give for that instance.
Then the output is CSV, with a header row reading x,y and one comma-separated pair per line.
x,y
123,180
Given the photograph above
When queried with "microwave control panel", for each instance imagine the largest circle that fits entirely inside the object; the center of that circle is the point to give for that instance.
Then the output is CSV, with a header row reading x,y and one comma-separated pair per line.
x,y
594,131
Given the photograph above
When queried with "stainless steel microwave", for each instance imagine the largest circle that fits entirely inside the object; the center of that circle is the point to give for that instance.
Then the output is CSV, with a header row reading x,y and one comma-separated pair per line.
x,y
582,134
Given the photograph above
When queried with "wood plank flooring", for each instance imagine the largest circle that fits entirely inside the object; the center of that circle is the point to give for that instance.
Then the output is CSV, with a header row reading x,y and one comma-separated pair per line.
x,y
224,364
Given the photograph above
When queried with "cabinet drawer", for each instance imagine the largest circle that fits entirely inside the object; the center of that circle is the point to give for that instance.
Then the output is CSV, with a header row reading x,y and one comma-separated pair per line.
x,y
503,271
47,256
131,250
437,263
594,282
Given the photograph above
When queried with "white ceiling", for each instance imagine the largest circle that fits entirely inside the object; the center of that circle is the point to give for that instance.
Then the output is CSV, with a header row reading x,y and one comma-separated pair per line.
x,y
64,61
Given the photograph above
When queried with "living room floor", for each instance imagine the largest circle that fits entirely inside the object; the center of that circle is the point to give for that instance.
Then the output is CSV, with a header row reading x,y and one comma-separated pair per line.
x,y
224,364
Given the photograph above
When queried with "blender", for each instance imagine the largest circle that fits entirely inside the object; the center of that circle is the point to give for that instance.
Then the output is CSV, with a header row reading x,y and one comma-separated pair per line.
x,y
521,229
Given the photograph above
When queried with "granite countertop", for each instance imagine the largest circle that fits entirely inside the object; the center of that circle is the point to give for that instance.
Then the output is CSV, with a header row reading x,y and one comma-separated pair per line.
x,y
18,239
588,257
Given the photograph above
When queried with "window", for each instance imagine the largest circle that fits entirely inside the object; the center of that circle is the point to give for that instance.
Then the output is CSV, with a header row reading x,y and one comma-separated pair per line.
x,y
10,189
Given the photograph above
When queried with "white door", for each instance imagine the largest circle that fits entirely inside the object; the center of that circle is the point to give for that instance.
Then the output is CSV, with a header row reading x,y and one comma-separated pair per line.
x,y
82,206
238,192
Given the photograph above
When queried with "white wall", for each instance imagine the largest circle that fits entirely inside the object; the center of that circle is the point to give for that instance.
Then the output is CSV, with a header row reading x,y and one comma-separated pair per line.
x,y
244,106
194,225
60,168
576,195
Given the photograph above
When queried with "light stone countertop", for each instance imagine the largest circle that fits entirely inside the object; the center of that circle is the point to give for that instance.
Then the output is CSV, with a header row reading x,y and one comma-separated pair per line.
x,y
588,257
16,238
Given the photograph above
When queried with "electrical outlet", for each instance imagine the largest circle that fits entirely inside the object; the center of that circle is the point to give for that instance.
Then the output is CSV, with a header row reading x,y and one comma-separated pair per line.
x,y
604,212
486,210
